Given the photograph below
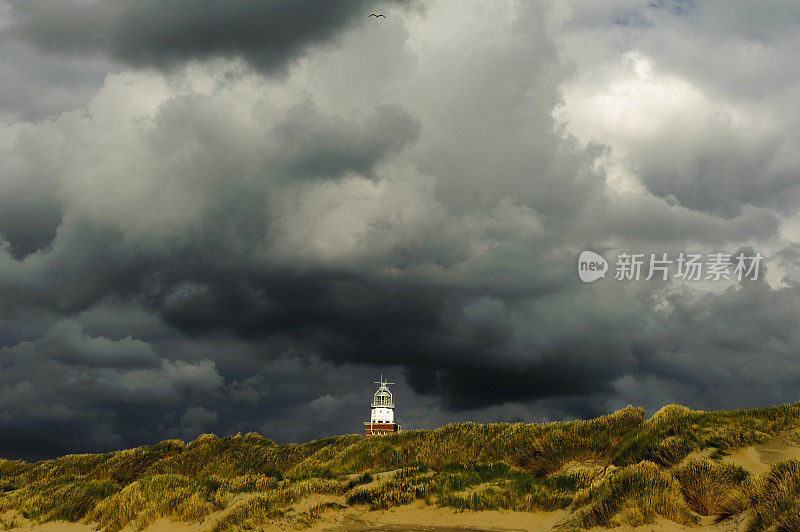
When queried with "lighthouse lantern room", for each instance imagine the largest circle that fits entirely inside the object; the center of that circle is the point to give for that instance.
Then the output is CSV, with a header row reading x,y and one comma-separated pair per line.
x,y
381,420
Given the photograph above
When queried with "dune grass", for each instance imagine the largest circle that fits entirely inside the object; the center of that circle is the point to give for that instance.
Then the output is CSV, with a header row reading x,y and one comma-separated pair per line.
x,y
613,470
710,488
773,497
147,499
250,515
632,495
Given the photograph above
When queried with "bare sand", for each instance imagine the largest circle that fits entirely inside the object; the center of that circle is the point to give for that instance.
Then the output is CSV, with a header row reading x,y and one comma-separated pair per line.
x,y
758,459
412,518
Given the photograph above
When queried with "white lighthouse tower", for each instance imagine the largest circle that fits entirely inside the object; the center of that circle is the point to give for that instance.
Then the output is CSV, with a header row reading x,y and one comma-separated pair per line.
x,y
381,419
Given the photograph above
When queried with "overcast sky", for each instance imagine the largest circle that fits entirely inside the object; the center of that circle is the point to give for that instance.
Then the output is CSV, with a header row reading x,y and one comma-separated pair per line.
x,y
235,215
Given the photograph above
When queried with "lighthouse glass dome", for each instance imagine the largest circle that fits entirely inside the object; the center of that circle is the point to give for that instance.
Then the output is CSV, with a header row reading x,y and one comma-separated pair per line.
x,y
382,404
383,397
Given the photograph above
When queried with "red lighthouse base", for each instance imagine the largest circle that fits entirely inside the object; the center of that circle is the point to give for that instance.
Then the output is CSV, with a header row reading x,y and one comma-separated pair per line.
x,y
379,429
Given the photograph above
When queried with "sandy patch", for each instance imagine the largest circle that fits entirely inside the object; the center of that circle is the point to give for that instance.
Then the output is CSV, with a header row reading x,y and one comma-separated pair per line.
x,y
418,518
757,459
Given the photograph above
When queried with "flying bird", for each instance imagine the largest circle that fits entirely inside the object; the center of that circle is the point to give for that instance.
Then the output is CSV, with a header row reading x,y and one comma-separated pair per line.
x,y
376,16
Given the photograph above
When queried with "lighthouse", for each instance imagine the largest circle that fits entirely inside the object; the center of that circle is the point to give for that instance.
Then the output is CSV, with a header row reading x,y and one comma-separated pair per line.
x,y
381,419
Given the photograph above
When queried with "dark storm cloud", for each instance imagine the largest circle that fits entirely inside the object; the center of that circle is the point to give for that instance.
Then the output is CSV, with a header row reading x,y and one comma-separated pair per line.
x,y
67,343
86,390
315,146
455,342
30,211
211,249
731,350
461,344
36,85
458,336
719,170
28,221
155,33
29,438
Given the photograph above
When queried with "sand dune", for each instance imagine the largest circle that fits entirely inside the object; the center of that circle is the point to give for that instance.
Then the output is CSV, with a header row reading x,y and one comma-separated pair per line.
x,y
415,517
323,504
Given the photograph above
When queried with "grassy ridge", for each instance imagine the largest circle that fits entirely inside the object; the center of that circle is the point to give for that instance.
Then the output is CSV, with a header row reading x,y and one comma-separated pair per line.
x,y
607,471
